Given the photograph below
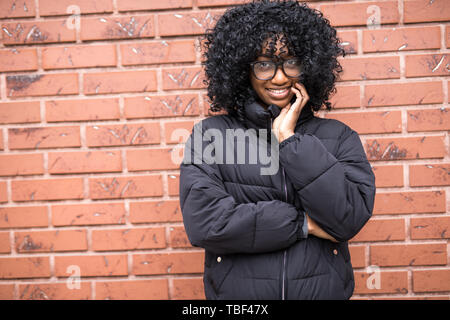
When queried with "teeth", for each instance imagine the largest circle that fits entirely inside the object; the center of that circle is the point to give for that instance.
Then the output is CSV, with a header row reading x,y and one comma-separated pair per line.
x,y
277,91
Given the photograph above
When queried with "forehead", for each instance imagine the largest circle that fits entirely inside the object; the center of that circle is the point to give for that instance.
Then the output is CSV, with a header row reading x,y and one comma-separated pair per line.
x,y
275,47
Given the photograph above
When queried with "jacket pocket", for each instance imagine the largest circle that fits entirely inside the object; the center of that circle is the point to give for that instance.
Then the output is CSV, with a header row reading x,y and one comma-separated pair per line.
x,y
217,268
338,257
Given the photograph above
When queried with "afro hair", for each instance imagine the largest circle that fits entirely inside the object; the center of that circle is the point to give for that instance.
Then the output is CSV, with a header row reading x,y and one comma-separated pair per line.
x,y
238,37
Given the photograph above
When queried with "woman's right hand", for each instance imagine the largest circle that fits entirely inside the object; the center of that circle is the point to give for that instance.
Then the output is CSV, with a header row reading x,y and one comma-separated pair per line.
x,y
316,230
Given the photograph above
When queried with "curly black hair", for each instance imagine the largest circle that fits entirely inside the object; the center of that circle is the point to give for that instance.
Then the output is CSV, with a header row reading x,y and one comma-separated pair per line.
x,y
237,39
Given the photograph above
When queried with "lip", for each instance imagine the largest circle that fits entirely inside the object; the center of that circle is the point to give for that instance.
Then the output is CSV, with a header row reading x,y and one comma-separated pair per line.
x,y
278,93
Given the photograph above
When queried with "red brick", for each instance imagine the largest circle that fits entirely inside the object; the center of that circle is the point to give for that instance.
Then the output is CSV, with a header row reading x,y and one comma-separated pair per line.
x,y
388,176
7,291
125,187
92,265
2,147
22,59
188,289
370,122
183,78
349,41
168,263
430,228
154,289
355,14
23,217
429,175
409,202
3,192
426,11
408,255
84,162
5,246
157,52
20,112
82,110
47,189
155,211
108,28
119,82
122,135
31,267
428,120
395,94
358,256
11,9
61,7
211,3
431,280
426,65
174,184
30,32
136,5
178,131
128,239
42,84
345,97
382,230
402,39
447,36
405,148
80,56
54,291
152,159
88,214
21,164
390,282
161,106
50,241
178,238
44,137
186,23
370,68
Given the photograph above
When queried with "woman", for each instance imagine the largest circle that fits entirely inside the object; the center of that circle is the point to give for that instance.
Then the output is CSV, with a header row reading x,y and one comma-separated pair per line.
x,y
282,235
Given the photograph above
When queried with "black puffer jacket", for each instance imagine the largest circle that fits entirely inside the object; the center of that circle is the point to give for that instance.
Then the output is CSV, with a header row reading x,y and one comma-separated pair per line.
x,y
251,224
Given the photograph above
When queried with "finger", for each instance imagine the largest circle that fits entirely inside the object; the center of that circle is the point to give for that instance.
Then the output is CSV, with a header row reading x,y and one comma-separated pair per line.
x,y
298,101
303,92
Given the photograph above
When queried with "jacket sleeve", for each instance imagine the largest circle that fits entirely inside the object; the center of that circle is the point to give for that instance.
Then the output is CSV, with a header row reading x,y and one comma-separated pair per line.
x,y
215,221
336,192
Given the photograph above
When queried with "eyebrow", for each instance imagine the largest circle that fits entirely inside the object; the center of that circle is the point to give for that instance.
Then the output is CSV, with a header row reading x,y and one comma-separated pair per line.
x,y
277,57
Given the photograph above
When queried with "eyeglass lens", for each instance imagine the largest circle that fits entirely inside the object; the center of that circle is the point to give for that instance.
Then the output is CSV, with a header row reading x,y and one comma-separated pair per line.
x,y
265,70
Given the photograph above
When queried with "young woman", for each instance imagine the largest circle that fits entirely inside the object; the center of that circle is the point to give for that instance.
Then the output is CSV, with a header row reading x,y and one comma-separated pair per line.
x,y
282,235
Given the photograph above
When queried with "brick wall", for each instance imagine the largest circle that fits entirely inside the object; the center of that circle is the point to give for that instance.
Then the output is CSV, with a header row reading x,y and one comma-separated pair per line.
x,y
93,91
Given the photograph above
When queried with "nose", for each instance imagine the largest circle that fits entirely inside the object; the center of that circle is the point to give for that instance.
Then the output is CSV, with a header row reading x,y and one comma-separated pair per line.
x,y
280,78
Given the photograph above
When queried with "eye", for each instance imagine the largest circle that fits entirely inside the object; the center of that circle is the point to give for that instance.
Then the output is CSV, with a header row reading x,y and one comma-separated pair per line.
x,y
264,64
292,63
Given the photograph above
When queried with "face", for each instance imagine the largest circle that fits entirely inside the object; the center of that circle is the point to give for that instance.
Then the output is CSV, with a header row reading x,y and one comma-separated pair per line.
x,y
278,89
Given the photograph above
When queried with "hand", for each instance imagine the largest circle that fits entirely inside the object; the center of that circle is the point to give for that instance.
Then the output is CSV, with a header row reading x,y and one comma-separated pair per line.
x,y
315,230
283,126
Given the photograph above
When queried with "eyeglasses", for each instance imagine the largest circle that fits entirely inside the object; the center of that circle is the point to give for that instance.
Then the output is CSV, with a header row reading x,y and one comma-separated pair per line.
x,y
266,70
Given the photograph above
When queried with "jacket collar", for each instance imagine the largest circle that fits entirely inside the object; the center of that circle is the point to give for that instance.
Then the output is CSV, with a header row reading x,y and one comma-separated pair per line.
x,y
257,117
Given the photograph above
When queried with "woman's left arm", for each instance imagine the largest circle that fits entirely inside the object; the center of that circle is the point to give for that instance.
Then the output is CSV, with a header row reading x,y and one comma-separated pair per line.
x,y
337,192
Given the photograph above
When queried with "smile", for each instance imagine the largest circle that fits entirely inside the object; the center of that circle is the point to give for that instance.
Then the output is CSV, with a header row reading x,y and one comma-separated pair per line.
x,y
278,93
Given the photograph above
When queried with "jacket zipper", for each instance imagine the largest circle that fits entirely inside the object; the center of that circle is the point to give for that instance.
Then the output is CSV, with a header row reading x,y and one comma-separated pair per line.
x,y
283,286
283,274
